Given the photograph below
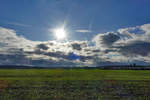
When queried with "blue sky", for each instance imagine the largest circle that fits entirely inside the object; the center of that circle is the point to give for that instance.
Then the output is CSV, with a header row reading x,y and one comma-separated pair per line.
x,y
32,18
118,30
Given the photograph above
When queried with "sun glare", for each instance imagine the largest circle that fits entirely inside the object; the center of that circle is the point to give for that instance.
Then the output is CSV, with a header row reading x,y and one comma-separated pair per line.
x,y
60,33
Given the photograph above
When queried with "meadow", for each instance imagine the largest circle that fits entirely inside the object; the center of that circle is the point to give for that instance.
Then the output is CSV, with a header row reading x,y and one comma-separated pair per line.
x,y
74,84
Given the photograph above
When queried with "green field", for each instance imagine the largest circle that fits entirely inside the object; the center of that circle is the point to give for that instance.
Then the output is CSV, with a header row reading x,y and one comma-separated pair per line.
x,y
74,84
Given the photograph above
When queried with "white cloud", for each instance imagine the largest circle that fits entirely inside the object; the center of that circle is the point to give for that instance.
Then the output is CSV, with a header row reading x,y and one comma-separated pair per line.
x,y
18,24
83,31
126,45
12,47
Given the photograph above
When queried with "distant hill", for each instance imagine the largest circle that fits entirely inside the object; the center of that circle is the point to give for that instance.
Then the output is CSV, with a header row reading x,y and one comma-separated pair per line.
x,y
14,66
114,67
126,67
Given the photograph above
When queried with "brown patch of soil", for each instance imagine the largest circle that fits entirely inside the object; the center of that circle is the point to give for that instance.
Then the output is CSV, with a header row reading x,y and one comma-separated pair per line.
x,y
3,84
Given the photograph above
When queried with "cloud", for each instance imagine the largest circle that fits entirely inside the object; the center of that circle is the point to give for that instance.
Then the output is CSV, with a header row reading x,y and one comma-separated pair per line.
x,y
76,45
19,50
84,31
135,48
121,47
128,44
134,41
42,46
9,39
18,24
106,40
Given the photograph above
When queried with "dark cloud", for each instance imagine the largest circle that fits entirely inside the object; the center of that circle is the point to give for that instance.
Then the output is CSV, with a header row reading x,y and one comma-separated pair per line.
x,y
76,46
110,50
135,48
109,38
42,46
96,50
106,39
58,54
13,59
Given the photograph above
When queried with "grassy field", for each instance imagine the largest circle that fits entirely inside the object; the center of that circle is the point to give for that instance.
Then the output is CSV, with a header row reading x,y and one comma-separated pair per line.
x,y
74,84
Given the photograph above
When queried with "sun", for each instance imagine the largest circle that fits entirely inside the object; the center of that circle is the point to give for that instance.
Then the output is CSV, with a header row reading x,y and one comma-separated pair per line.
x,y
60,33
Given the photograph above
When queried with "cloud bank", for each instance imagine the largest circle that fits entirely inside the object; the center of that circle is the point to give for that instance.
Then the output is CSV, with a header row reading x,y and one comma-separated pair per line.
x,y
127,45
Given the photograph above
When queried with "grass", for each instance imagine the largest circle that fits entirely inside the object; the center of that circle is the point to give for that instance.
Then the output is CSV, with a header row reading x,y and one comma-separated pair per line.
x,y
74,84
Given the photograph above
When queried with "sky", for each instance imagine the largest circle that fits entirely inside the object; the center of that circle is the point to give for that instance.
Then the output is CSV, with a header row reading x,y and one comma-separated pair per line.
x,y
74,32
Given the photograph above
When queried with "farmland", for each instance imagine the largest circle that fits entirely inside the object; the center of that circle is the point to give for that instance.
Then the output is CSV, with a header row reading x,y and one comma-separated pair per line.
x,y
74,84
